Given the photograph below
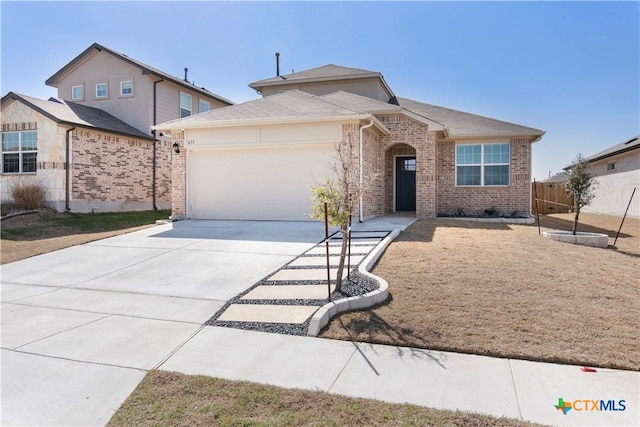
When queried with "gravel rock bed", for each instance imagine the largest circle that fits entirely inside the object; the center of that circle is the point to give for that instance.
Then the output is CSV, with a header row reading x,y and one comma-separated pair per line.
x,y
276,328
357,284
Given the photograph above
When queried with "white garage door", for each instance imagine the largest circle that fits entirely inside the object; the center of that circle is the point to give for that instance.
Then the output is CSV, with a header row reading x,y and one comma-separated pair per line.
x,y
257,183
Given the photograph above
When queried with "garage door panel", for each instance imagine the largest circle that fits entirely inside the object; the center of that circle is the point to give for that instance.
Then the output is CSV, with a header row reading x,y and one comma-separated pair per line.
x,y
266,183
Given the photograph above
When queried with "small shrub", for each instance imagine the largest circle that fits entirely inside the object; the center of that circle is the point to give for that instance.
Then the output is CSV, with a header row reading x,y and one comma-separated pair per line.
x,y
27,196
461,212
492,211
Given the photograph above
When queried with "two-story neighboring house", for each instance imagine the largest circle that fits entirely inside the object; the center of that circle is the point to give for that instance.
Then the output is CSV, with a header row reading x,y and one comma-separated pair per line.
x,y
136,93
100,126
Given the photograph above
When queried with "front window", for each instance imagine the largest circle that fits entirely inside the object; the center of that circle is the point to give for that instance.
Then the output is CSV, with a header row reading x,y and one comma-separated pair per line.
x,y
126,88
482,164
77,92
185,105
19,151
101,90
204,106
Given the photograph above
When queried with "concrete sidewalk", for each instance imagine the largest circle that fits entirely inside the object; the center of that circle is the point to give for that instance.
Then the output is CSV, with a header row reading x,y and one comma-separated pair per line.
x,y
499,387
82,326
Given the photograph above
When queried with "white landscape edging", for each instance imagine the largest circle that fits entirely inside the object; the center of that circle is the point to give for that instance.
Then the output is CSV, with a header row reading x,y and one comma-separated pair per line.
x,y
587,239
327,311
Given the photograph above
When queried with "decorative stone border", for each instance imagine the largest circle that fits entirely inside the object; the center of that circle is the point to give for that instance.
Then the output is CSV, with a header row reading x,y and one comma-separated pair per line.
x,y
587,239
321,318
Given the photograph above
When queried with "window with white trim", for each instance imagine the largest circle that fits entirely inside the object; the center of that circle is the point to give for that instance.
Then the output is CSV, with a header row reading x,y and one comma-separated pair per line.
x,y
185,105
102,90
19,151
482,164
126,88
77,92
611,166
204,106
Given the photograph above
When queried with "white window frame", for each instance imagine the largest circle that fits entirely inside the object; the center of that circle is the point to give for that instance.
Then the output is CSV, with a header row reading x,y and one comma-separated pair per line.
x,y
121,88
190,109
202,102
73,87
482,165
612,166
106,95
20,152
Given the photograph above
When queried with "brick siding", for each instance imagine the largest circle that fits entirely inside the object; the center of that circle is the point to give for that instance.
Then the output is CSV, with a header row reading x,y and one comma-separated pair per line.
x,y
474,200
111,168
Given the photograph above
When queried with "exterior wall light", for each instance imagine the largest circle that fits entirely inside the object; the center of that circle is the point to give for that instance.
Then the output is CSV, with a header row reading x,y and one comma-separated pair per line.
x,y
176,147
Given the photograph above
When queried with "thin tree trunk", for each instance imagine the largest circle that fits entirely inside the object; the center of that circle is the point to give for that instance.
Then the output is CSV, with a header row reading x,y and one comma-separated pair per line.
x,y
574,230
343,255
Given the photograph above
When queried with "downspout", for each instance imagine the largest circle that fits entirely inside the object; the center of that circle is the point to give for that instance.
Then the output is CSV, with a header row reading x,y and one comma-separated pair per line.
x,y
155,140
360,207
68,157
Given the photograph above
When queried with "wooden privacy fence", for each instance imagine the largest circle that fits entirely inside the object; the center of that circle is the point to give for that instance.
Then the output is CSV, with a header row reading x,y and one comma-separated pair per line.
x,y
552,198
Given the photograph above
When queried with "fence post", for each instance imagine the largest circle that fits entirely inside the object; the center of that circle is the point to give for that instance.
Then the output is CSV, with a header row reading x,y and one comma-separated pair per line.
x,y
326,242
535,189
624,216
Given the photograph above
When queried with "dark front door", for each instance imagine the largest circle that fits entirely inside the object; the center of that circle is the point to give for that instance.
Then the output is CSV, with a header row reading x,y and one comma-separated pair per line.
x,y
406,184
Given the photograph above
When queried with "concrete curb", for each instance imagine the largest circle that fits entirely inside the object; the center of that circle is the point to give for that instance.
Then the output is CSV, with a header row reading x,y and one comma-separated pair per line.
x,y
321,318
597,240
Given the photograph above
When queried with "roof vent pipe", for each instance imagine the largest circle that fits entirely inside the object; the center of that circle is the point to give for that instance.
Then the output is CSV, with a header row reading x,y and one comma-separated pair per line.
x,y
185,74
277,64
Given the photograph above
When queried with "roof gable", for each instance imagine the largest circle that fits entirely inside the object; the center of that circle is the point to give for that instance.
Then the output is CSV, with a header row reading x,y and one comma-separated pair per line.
x,y
74,114
146,69
462,124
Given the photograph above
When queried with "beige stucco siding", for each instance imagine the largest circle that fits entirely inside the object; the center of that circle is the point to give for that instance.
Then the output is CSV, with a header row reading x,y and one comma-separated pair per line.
x,y
101,67
168,99
370,88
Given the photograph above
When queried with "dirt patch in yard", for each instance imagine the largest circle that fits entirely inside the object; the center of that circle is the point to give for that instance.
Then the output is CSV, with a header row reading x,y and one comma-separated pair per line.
x,y
502,290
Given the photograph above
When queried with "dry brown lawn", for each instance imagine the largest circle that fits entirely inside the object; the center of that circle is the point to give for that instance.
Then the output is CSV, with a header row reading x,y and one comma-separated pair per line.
x,y
38,233
172,399
502,290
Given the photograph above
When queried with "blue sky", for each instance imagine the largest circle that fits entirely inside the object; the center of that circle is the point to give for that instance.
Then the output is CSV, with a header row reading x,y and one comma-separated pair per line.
x,y
571,69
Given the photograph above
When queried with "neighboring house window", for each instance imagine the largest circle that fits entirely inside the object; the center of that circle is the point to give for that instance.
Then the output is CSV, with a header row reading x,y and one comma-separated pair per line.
x,y
204,106
101,90
126,88
77,92
185,105
19,151
611,166
482,164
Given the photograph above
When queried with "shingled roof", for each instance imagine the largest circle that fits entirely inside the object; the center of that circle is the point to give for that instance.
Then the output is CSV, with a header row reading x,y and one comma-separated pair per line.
x,y
623,147
146,69
71,113
329,72
288,105
461,124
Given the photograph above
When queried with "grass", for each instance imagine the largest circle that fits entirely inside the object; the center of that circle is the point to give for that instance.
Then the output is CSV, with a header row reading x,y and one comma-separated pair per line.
x,y
173,399
501,290
33,234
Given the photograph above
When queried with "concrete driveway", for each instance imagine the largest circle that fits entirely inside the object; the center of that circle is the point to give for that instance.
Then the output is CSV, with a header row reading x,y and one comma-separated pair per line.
x,y
81,326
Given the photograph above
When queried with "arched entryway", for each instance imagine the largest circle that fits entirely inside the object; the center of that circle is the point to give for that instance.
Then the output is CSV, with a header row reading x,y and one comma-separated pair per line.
x,y
400,178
